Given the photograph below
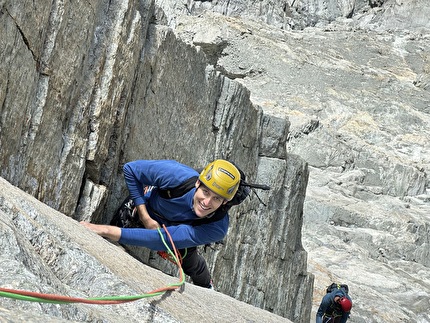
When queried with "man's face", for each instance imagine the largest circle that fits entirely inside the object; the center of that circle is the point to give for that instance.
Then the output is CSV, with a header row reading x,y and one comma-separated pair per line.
x,y
205,201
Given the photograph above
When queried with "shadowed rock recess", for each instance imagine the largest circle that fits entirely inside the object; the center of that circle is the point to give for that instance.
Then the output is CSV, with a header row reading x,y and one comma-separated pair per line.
x,y
327,102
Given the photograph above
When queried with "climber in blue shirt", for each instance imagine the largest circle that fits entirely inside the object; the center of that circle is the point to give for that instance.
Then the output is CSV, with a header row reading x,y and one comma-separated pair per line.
x,y
334,307
191,219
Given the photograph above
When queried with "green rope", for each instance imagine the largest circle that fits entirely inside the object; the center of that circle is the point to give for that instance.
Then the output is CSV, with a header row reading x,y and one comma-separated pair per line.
x,y
29,298
174,257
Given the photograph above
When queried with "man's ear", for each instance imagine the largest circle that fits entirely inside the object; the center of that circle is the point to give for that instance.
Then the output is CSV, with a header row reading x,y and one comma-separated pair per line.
x,y
198,183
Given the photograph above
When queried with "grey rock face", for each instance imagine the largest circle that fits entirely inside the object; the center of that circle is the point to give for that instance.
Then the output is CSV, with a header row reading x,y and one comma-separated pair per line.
x,y
59,86
344,84
87,87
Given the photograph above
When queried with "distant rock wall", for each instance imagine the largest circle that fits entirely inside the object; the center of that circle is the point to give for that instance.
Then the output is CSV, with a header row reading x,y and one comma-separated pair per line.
x,y
298,15
280,13
356,94
89,86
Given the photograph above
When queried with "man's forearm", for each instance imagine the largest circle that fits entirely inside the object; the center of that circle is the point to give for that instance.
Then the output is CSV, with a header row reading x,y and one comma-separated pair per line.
x,y
107,231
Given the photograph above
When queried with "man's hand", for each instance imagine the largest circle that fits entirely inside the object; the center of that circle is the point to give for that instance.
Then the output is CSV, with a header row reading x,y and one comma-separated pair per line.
x,y
107,231
145,218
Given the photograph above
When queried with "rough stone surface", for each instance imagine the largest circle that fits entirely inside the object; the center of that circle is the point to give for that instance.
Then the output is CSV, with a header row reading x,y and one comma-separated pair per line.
x,y
344,84
112,83
47,252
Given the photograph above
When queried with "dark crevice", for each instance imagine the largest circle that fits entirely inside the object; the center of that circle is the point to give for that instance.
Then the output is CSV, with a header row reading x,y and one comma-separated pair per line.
x,y
306,129
228,74
24,38
351,14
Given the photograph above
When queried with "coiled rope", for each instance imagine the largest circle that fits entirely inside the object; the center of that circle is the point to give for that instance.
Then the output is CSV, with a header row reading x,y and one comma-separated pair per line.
x,y
108,300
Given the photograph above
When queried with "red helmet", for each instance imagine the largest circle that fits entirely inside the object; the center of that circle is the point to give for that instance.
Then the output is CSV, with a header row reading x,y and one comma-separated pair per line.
x,y
345,303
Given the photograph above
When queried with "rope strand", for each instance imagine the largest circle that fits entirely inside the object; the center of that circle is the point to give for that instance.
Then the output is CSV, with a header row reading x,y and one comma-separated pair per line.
x,y
108,300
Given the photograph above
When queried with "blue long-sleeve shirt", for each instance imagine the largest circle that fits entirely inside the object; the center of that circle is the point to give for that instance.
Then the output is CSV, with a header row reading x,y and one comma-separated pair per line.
x,y
176,213
328,306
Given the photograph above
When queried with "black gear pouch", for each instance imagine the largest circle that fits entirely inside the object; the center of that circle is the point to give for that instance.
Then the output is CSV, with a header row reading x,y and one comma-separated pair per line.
x,y
126,216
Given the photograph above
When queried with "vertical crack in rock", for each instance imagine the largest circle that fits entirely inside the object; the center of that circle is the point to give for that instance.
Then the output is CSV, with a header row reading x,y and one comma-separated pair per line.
x,y
36,110
221,116
24,38
110,38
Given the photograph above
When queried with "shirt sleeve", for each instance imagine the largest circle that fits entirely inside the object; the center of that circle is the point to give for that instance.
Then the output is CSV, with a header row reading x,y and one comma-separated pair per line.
x,y
158,173
325,303
183,235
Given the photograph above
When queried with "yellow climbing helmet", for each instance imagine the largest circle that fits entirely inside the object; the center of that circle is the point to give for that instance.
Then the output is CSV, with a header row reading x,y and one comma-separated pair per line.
x,y
221,177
